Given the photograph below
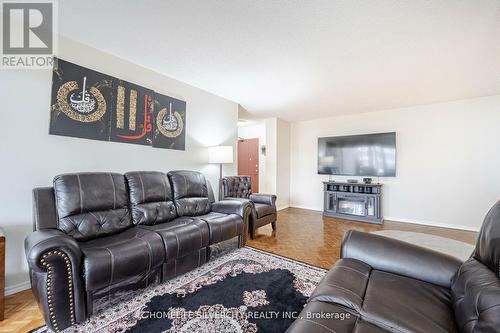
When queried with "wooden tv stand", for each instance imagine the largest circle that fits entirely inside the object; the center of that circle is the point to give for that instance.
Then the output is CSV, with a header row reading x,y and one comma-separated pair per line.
x,y
353,201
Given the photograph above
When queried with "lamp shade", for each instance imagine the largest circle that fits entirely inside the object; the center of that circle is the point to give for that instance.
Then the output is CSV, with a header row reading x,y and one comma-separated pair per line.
x,y
220,154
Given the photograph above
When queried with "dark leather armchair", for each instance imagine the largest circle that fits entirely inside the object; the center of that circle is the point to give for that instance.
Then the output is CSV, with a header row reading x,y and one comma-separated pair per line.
x,y
384,285
264,205
99,235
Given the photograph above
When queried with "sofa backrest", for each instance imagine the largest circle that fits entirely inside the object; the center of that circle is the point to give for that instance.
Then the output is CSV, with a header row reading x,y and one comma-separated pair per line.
x,y
191,193
151,198
91,205
237,186
476,286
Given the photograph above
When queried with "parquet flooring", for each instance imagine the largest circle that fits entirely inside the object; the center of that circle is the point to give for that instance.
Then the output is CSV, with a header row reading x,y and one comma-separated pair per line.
x,y
307,236
21,313
301,234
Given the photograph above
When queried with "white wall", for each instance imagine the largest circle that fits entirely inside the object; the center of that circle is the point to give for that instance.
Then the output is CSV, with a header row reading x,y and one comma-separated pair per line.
x,y
448,160
31,157
252,131
278,160
283,164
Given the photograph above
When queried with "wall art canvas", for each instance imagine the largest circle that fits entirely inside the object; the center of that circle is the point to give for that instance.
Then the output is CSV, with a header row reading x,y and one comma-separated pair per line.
x,y
131,118
81,102
92,105
169,120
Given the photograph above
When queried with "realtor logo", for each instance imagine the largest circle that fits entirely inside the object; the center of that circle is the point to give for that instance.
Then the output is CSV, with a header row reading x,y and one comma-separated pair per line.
x,y
28,31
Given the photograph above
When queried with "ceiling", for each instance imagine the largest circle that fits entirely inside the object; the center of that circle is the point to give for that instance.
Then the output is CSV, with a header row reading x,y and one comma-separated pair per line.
x,y
304,59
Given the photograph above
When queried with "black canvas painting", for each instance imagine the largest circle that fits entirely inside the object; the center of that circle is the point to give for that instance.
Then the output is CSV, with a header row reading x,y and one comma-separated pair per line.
x,y
131,118
169,123
92,105
81,102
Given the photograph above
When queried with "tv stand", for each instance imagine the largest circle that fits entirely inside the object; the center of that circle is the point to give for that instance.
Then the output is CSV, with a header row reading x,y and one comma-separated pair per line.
x,y
353,201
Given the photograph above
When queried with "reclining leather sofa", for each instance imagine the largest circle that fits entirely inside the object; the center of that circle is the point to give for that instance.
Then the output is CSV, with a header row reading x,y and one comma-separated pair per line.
x,y
263,205
384,285
100,235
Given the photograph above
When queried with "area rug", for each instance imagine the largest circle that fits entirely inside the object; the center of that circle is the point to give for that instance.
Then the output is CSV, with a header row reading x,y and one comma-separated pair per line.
x,y
246,290
451,247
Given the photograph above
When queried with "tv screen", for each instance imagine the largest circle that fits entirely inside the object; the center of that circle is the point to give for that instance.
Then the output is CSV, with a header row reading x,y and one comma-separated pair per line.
x,y
358,155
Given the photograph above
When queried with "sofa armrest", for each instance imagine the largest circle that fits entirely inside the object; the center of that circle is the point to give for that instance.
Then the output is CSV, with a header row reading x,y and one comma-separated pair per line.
x,y
268,199
54,259
238,207
394,256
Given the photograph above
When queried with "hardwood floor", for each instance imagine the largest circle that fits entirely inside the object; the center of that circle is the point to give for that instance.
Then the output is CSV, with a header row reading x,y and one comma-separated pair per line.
x,y
21,313
301,234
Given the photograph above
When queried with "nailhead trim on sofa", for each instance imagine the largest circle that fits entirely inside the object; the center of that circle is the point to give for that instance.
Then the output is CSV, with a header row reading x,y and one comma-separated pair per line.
x,y
44,263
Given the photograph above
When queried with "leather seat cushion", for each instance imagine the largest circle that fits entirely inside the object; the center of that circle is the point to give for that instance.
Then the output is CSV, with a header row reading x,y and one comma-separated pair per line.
x,y
386,300
222,226
108,260
404,304
263,210
181,236
334,318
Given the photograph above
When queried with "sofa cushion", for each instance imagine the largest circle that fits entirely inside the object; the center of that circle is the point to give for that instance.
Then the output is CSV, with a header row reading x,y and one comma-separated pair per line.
x,y
263,210
222,226
403,304
151,197
191,194
390,301
127,256
181,236
476,298
322,317
91,205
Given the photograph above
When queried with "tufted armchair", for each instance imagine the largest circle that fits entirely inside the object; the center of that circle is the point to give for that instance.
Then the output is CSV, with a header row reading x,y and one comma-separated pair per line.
x,y
264,205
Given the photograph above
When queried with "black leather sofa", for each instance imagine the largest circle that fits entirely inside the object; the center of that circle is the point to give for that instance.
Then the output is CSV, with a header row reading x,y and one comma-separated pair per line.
x,y
263,205
384,285
99,235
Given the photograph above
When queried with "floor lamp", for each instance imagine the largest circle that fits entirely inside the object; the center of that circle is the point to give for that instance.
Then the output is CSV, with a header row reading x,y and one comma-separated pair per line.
x,y
220,155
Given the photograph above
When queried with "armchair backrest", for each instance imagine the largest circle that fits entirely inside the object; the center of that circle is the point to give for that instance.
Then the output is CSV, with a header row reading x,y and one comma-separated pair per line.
x,y
237,187
91,205
476,286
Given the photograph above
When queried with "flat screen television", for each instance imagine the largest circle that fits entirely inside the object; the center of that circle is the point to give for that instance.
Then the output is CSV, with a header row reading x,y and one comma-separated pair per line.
x,y
358,155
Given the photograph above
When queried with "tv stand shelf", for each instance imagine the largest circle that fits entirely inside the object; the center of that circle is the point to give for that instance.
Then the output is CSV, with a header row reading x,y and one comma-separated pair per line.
x,y
353,201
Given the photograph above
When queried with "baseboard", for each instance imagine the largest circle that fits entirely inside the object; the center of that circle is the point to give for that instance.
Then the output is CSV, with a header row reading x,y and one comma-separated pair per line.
x,y
17,288
308,208
282,207
433,224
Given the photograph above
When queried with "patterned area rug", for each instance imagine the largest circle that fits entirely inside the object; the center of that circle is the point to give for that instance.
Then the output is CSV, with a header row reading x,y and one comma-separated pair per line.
x,y
245,290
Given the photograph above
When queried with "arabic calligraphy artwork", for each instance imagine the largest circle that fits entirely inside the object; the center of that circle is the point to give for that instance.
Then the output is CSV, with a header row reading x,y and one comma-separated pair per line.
x,y
92,105
169,123
81,102
131,120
